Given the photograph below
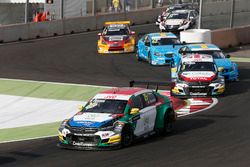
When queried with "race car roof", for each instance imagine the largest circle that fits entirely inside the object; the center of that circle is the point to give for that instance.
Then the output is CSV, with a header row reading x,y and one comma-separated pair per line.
x,y
202,47
163,35
117,22
188,58
181,11
120,93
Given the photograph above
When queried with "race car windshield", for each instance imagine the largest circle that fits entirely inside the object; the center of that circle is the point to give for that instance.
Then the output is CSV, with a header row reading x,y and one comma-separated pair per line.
x,y
164,41
198,66
217,54
105,106
116,31
178,16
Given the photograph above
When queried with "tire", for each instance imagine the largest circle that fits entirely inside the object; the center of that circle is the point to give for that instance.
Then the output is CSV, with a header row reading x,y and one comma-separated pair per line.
x,y
149,58
168,123
137,57
126,136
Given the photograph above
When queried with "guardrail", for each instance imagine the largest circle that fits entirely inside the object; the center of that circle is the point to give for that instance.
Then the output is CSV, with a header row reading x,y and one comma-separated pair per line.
x,y
222,37
10,33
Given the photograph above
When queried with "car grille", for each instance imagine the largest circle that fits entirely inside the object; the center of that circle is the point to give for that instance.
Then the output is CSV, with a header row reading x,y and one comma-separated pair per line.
x,y
82,130
169,56
172,27
86,139
83,140
199,83
199,90
116,49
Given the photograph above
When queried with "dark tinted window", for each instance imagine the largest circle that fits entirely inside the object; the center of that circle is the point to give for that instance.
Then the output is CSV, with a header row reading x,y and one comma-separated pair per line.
x,y
216,54
198,66
137,102
116,31
178,16
149,98
164,41
105,106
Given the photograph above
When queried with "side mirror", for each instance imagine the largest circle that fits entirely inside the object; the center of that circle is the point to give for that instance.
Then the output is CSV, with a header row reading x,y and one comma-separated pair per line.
x,y
99,34
134,111
80,108
228,56
221,69
132,33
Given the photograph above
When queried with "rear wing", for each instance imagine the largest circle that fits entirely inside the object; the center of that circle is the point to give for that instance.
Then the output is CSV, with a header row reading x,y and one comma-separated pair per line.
x,y
149,84
117,22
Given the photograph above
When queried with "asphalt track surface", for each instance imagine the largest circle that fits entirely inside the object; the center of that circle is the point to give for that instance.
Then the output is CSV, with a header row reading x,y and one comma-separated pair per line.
x,y
217,137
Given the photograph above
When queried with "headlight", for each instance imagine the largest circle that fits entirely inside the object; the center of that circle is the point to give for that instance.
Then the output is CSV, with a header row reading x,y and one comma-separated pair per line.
x,y
64,128
158,54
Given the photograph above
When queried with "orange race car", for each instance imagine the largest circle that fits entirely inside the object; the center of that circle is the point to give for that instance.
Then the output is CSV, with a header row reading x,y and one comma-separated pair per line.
x,y
116,38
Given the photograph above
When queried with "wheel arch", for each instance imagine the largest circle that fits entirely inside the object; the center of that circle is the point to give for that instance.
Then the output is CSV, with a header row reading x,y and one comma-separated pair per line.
x,y
161,116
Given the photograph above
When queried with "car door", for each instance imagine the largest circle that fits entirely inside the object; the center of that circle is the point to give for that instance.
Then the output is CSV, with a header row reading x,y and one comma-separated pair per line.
x,y
141,47
138,119
149,111
145,47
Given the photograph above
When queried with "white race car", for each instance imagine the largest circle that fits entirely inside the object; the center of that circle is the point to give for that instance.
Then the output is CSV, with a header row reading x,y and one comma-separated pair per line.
x,y
179,20
197,75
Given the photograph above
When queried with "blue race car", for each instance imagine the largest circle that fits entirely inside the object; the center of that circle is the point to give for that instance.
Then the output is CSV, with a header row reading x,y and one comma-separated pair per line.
x,y
230,69
158,48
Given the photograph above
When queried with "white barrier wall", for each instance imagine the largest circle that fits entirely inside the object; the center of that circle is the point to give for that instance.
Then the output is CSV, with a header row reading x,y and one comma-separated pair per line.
x,y
196,36
80,24
14,33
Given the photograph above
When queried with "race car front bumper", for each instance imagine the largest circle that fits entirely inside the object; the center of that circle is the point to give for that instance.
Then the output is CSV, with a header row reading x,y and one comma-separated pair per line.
x,y
127,48
161,60
96,141
185,90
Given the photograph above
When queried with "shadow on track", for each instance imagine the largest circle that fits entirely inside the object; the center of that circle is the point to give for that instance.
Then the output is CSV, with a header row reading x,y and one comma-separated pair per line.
x,y
6,160
235,88
181,127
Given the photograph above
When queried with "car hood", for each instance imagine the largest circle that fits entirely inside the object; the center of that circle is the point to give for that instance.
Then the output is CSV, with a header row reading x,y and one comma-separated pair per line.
x,y
91,120
163,48
174,21
226,63
115,38
198,76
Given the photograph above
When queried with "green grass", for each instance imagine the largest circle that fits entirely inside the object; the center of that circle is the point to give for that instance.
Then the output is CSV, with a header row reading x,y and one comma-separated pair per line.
x,y
42,90
29,132
48,90
240,59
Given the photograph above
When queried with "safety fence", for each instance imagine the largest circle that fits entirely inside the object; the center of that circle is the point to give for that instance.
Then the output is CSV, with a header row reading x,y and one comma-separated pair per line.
x,y
12,12
224,13
214,13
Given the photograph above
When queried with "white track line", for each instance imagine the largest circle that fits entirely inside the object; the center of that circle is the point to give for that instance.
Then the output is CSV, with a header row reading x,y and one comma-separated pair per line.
x,y
215,101
21,140
56,83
